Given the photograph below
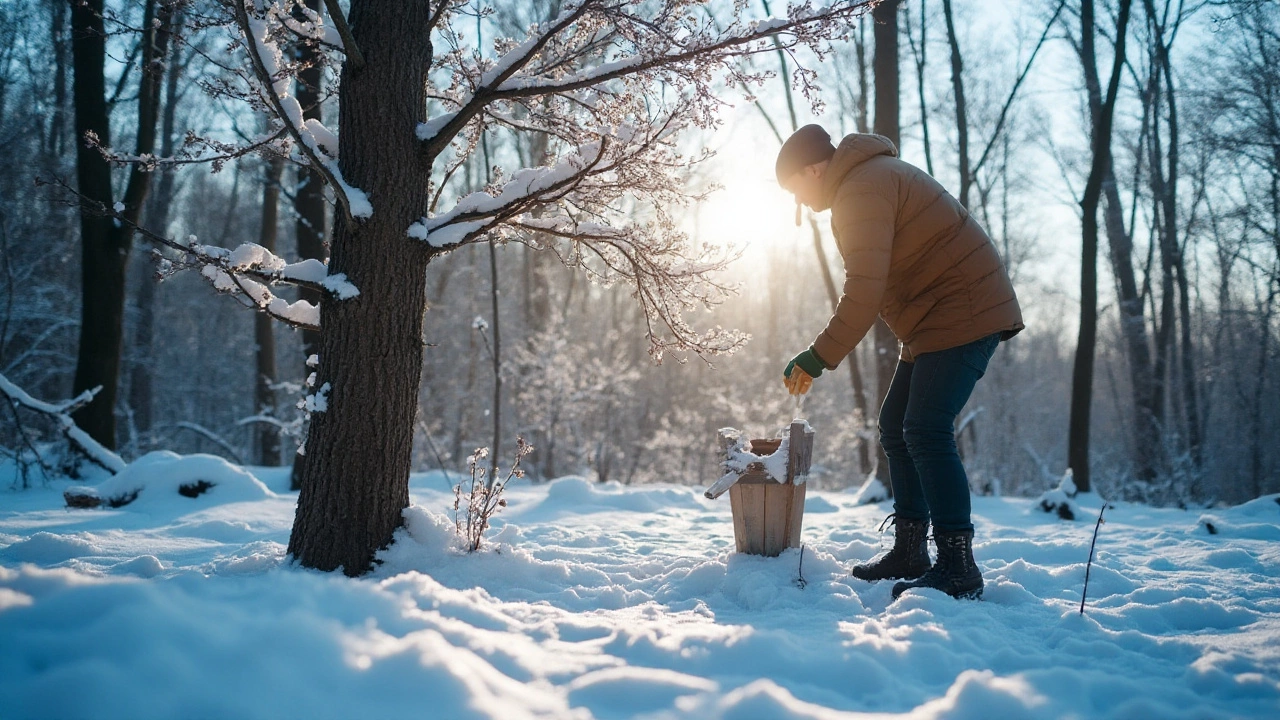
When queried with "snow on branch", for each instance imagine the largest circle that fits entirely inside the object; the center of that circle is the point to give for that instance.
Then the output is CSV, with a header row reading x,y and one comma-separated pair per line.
x,y
594,42
60,413
317,144
602,90
480,212
248,272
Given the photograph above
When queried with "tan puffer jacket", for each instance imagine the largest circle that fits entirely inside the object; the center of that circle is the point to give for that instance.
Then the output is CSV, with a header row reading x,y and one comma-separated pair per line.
x,y
912,254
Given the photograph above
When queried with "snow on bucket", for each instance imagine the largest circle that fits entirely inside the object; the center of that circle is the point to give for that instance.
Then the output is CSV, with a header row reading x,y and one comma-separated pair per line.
x,y
765,479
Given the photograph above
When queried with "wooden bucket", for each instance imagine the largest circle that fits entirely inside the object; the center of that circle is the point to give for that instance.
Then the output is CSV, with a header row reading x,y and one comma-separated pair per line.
x,y
767,514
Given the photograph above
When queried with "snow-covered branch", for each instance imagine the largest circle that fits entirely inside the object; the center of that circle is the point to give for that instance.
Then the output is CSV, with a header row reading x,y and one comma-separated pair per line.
x,y
316,143
481,212
665,43
248,272
60,413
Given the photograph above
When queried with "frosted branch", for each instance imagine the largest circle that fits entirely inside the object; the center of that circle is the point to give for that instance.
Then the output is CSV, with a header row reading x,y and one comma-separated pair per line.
x,y
60,413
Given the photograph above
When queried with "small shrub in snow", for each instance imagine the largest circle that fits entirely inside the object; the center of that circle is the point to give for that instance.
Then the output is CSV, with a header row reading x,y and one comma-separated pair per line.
x,y
484,498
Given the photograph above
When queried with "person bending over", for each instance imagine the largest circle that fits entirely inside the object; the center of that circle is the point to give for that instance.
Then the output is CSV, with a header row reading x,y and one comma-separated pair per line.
x,y
914,256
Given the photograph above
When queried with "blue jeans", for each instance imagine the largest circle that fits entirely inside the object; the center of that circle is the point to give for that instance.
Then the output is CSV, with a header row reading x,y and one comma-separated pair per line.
x,y
917,431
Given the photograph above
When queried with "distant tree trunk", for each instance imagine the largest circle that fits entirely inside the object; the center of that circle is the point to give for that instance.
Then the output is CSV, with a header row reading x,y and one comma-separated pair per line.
x,y
263,324
496,322
58,120
309,206
104,243
887,123
159,205
864,84
962,110
355,479
1162,37
1100,137
1257,440
538,264
1133,328
497,361
920,55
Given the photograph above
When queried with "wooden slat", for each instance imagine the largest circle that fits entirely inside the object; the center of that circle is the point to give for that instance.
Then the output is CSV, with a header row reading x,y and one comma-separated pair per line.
x,y
777,509
737,507
753,517
797,514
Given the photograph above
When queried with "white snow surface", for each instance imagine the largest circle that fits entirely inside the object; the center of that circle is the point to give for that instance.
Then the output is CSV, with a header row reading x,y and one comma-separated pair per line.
x,y
604,601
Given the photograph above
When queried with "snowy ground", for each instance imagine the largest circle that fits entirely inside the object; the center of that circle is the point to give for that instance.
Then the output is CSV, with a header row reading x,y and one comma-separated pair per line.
x,y
612,602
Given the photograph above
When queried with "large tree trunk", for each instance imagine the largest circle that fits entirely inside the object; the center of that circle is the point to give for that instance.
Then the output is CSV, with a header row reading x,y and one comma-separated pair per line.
x,y
1165,326
886,123
355,482
263,324
1100,136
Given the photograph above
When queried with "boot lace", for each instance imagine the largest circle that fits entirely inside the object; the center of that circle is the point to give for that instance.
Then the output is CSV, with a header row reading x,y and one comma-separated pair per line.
x,y
890,519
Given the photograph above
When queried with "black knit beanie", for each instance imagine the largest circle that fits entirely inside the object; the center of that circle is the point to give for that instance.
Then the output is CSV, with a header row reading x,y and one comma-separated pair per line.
x,y
807,146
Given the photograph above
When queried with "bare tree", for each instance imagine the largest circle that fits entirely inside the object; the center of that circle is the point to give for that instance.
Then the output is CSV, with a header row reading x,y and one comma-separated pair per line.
x,y
1100,143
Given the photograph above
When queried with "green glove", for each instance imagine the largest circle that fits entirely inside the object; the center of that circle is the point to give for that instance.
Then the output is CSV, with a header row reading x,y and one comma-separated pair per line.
x,y
807,361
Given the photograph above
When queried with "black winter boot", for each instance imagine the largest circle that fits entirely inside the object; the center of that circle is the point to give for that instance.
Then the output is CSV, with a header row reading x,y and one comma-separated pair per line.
x,y
955,573
909,557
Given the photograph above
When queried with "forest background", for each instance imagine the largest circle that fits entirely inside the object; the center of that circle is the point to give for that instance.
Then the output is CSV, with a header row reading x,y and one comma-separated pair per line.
x,y
991,100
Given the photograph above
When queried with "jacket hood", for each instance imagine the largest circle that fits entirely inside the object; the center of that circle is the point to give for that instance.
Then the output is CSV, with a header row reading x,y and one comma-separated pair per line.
x,y
853,150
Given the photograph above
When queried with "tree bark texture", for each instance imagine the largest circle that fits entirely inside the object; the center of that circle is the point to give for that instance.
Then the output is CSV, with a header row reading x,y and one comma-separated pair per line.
x,y
355,482
887,123
1162,37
